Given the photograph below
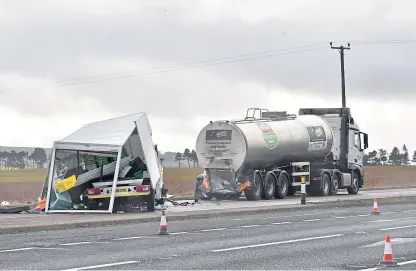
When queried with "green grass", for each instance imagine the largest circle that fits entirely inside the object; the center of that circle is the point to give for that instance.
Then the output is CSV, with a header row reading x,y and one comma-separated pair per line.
x,y
22,175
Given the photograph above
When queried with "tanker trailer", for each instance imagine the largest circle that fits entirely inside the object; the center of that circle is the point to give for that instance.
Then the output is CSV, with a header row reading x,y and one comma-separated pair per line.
x,y
266,157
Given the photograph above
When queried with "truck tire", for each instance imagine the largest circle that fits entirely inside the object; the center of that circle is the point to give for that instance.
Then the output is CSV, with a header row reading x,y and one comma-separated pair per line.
x,y
326,184
254,192
282,186
269,186
335,180
355,184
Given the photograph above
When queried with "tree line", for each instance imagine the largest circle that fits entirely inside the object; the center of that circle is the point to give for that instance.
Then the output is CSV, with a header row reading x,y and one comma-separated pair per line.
x,y
188,156
23,160
395,157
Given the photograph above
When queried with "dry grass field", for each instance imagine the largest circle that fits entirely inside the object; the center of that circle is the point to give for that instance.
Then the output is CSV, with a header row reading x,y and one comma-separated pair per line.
x,y
25,185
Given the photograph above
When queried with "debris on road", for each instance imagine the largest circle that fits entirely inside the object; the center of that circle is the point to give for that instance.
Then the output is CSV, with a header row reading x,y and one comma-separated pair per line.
x,y
13,209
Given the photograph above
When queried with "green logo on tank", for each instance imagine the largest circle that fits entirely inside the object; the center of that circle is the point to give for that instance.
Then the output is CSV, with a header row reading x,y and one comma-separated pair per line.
x,y
269,136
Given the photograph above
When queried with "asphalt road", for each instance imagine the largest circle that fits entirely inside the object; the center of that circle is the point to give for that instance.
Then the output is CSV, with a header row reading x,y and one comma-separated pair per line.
x,y
331,239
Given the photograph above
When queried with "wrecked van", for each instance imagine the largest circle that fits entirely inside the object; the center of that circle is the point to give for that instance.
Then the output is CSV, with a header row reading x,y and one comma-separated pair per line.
x,y
105,167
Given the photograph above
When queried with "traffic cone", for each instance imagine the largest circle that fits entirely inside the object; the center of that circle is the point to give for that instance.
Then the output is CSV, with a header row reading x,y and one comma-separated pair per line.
x,y
375,210
388,253
163,225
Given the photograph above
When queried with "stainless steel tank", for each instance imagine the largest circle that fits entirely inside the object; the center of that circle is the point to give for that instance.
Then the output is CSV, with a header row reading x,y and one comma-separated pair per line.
x,y
263,143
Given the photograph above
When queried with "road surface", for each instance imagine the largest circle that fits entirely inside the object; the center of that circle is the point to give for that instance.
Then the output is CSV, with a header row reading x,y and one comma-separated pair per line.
x,y
331,239
11,222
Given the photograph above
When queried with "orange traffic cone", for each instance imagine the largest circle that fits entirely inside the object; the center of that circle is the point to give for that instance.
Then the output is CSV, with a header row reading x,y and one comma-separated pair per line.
x,y
388,253
163,225
375,210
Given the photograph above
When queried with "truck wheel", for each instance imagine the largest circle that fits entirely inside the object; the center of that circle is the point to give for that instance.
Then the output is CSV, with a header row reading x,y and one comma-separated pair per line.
x,y
354,184
326,183
334,184
282,186
254,192
269,187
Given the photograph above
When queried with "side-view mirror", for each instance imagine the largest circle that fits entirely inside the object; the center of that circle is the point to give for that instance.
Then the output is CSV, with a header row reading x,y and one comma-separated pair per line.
x,y
365,141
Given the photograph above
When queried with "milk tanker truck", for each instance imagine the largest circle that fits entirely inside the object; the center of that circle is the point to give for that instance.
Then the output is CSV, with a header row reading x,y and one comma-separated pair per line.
x,y
266,154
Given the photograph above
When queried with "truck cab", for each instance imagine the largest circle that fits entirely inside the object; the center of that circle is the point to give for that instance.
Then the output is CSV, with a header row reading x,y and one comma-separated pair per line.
x,y
348,149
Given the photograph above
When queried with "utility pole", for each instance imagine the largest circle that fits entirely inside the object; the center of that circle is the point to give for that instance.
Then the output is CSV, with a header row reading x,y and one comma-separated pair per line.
x,y
341,52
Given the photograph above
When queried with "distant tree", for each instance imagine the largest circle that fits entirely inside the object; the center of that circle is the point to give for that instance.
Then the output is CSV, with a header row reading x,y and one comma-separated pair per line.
x,y
187,156
178,158
405,156
414,157
383,156
161,160
365,159
2,159
395,157
39,156
194,158
372,158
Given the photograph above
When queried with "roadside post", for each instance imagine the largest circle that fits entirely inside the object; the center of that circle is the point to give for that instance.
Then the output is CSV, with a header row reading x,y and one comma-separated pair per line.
x,y
302,190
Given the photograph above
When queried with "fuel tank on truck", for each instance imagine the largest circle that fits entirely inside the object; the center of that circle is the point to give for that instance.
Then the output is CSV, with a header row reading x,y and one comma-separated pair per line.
x,y
263,143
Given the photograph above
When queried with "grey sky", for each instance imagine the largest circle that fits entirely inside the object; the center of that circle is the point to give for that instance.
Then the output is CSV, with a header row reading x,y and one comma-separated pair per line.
x,y
48,42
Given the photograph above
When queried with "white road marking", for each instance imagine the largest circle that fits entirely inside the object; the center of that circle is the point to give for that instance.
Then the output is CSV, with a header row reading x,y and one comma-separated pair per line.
x,y
180,232
17,249
284,216
389,213
281,223
364,215
381,220
393,241
340,217
217,229
101,266
74,244
409,211
279,243
407,262
395,219
396,228
361,232
311,220
401,263
128,238
249,226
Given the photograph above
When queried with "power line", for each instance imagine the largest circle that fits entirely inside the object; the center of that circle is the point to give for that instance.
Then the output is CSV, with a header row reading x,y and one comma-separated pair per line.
x,y
189,67
207,63
363,42
168,68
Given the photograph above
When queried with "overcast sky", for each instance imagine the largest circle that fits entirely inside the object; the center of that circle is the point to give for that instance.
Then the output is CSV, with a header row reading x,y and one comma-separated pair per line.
x,y
122,46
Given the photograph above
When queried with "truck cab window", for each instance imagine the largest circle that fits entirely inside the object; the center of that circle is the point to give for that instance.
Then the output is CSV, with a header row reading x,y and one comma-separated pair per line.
x,y
357,141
